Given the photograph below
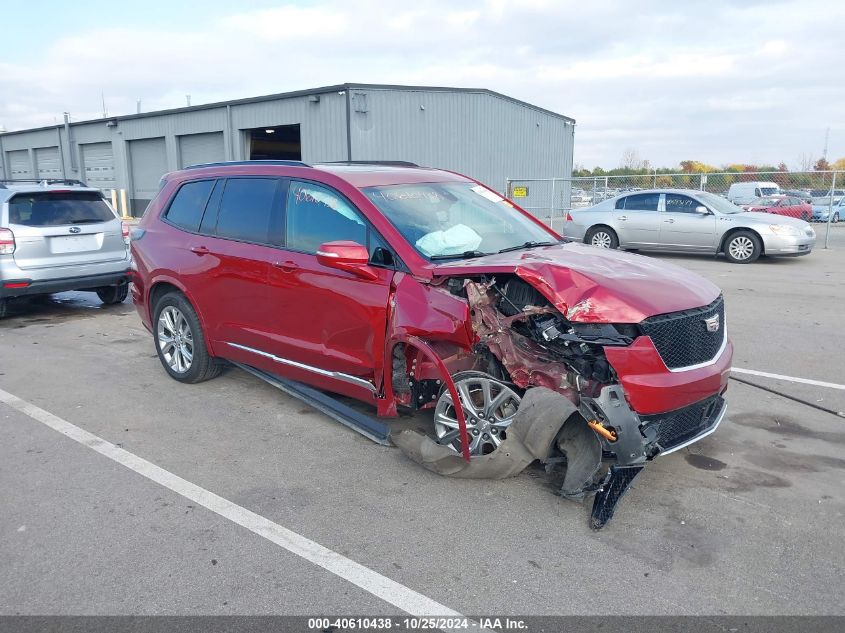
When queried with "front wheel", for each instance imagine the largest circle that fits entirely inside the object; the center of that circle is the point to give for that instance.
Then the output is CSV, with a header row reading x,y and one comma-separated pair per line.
x,y
743,247
111,295
602,237
180,342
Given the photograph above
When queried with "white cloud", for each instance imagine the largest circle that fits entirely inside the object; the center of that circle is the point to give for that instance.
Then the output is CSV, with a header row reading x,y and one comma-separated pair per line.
x,y
668,79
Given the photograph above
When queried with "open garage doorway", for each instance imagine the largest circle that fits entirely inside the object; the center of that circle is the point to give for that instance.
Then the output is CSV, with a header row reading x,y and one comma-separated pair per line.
x,y
281,142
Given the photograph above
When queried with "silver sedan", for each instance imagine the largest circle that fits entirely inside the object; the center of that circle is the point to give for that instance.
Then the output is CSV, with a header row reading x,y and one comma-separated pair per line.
x,y
680,220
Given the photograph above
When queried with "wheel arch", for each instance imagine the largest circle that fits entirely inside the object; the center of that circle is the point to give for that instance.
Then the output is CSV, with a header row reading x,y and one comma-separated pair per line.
x,y
162,286
739,229
600,225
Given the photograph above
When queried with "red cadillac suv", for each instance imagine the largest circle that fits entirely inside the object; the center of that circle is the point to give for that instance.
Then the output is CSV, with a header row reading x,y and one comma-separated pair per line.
x,y
413,288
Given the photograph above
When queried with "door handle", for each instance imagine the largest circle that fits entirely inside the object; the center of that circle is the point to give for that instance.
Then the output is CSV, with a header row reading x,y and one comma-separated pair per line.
x,y
622,217
669,221
286,266
200,250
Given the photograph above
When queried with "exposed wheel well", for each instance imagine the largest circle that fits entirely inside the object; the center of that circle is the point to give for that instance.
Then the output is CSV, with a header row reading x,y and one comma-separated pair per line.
x,y
728,235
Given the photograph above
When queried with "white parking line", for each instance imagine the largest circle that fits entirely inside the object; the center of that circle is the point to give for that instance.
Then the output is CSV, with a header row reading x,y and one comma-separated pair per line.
x,y
803,381
370,581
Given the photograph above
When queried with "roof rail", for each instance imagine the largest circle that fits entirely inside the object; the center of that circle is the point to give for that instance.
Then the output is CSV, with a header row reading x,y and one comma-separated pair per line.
x,y
42,181
226,163
387,163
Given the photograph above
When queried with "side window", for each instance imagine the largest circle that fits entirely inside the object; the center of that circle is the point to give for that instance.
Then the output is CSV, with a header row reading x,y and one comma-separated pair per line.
x,y
246,209
620,204
642,202
316,215
757,192
189,203
676,203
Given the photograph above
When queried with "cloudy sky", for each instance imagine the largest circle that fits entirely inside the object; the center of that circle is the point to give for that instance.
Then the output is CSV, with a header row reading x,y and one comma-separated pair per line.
x,y
716,81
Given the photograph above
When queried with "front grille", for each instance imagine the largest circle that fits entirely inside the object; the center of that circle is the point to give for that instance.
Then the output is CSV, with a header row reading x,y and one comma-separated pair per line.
x,y
682,339
676,427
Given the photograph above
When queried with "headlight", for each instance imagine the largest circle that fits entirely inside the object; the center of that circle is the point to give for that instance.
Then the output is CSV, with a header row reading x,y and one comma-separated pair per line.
x,y
783,229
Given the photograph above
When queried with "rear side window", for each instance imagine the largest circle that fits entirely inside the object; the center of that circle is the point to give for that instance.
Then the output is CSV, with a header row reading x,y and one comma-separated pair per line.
x,y
246,209
642,202
59,208
186,209
316,215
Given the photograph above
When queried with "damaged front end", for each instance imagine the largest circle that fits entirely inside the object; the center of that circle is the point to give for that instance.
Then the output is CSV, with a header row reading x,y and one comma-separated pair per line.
x,y
535,385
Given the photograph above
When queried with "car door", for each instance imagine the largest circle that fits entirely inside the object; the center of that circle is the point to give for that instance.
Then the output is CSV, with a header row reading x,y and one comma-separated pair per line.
x,y
233,252
636,219
329,320
683,228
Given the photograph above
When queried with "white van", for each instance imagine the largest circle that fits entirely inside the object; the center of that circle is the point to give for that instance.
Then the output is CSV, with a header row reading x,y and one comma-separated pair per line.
x,y
747,192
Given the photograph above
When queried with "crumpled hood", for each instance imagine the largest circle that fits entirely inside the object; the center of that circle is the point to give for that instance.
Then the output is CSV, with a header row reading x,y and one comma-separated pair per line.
x,y
594,285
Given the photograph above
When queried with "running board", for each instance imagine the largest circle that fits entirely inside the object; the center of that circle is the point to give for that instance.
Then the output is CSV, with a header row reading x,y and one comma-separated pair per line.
x,y
365,425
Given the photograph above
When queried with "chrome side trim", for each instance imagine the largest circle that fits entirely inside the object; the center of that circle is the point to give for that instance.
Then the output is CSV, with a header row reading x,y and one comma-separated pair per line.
x,y
701,436
708,362
354,380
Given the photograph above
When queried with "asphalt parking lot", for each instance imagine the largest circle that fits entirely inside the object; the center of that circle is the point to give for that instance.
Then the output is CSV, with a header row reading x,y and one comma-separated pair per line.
x,y
747,521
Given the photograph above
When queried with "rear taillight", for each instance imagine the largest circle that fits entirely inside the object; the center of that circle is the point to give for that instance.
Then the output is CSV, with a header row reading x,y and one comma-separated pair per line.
x,y
569,217
124,229
7,242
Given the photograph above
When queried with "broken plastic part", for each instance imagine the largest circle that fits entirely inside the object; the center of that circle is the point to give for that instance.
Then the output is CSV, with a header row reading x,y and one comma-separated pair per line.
x,y
615,485
607,434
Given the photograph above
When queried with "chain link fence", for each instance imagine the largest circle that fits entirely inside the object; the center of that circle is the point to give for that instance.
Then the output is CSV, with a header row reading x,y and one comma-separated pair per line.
x,y
550,198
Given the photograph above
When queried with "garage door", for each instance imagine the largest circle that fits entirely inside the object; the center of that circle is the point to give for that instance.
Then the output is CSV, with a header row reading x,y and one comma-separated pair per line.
x,y
48,162
98,165
19,165
148,163
195,149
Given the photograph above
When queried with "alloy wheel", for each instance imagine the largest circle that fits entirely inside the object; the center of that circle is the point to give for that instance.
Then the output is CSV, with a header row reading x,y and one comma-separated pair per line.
x,y
489,408
741,247
601,239
175,339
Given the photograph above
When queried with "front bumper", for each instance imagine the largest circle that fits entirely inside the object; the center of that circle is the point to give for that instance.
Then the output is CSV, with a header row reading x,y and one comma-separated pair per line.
x,y
774,245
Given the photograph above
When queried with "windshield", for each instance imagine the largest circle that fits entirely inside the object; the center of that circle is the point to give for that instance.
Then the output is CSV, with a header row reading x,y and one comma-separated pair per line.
x,y
456,219
718,203
59,208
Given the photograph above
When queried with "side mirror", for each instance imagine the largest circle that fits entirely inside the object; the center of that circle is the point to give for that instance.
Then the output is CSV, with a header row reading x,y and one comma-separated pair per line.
x,y
702,210
348,256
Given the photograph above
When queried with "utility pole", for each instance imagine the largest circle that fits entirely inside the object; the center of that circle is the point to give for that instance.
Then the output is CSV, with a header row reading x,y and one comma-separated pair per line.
x,y
188,100
826,139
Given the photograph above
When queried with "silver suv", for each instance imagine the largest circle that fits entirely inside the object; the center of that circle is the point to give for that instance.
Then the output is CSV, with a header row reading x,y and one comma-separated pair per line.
x,y
57,236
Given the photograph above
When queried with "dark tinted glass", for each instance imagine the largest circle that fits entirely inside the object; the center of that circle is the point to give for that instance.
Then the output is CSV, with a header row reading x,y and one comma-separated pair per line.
x,y
676,203
59,209
316,215
642,202
189,203
246,209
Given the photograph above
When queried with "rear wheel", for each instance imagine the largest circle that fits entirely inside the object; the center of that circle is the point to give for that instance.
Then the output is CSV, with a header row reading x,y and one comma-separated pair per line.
x,y
113,294
602,237
743,247
180,342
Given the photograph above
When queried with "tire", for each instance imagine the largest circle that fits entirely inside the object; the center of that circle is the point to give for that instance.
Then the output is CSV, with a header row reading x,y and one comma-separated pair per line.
x,y
743,247
3,308
111,295
186,357
602,237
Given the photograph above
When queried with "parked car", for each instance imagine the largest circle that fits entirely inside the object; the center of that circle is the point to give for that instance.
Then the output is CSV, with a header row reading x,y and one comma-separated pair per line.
x,y
801,194
747,192
416,288
57,236
782,205
822,210
688,221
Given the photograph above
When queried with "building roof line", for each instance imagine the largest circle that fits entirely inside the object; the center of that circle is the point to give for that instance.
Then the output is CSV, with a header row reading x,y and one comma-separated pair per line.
x,y
290,95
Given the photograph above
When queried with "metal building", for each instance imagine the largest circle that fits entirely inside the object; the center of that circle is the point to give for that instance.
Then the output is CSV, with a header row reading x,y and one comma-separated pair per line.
x,y
478,132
